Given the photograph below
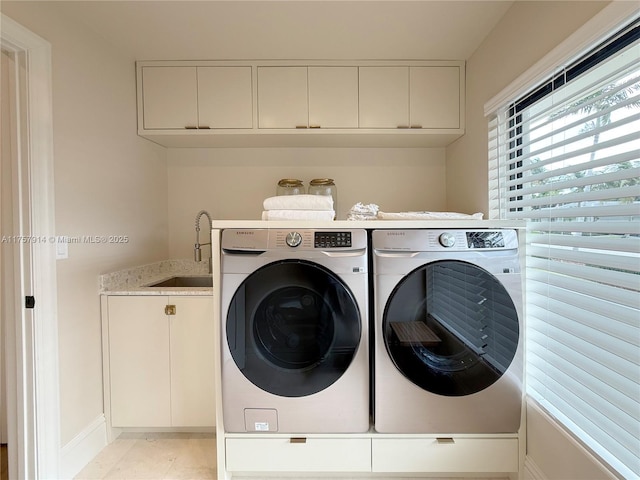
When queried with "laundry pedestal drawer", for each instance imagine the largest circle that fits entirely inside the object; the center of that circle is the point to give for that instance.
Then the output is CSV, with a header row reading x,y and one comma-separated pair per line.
x,y
298,454
445,454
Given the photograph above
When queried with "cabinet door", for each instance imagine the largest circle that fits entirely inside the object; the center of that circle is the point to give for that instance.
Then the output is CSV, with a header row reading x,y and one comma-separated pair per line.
x,y
169,97
192,362
139,361
333,97
282,97
435,97
224,97
384,97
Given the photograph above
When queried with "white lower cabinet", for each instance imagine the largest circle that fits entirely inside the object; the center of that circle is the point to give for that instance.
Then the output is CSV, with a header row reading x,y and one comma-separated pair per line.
x,y
301,454
161,361
462,455
373,453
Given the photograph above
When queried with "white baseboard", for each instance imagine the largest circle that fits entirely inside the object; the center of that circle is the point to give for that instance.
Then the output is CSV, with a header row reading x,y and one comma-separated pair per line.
x,y
532,471
76,454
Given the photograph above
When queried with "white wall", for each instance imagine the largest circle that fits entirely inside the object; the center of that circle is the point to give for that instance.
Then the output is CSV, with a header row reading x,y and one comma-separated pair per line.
x,y
108,181
232,183
527,32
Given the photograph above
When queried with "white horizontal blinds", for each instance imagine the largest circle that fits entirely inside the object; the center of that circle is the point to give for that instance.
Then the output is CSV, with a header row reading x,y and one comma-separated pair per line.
x,y
568,162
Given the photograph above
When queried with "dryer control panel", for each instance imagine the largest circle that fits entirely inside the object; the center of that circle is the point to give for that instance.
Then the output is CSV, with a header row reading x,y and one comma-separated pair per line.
x,y
427,240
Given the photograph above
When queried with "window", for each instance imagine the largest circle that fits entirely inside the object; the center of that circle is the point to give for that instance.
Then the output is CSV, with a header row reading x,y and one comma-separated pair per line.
x,y
566,158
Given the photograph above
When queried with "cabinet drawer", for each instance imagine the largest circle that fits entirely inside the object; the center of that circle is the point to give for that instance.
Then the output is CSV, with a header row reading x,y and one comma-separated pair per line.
x,y
287,455
434,455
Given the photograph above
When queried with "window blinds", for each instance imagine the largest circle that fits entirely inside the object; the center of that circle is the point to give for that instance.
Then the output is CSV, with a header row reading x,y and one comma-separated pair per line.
x,y
567,159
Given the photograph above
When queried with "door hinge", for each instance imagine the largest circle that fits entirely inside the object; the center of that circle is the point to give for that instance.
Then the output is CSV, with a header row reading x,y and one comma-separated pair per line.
x,y
29,301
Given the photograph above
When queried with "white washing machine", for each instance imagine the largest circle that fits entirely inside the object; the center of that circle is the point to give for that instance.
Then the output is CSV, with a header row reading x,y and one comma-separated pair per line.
x,y
448,331
295,331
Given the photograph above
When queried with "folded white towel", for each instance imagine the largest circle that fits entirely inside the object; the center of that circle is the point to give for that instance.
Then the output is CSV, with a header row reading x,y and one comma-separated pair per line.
x,y
428,216
298,215
299,202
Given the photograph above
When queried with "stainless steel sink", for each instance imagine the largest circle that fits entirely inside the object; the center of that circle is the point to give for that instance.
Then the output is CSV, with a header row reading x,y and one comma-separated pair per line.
x,y
184,281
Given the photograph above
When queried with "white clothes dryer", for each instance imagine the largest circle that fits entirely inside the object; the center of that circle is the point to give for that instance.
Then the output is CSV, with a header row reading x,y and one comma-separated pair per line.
x,y
448,331
295,356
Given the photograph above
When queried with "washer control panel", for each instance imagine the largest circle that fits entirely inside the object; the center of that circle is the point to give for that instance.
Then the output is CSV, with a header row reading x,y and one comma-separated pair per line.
x,y
332,240
298,240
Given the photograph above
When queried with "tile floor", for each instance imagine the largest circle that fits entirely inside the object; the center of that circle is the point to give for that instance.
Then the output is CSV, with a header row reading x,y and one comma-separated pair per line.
x,y
177,456
155,456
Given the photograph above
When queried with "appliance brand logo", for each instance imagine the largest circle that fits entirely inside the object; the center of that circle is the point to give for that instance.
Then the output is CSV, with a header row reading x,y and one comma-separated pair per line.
x,y
395,234
244,232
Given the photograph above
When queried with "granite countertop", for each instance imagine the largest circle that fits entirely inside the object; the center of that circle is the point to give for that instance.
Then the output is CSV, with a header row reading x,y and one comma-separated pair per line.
x,y
134,281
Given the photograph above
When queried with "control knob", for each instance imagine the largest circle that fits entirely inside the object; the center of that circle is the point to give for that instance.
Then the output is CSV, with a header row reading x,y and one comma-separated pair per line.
x,y
293,239
447,239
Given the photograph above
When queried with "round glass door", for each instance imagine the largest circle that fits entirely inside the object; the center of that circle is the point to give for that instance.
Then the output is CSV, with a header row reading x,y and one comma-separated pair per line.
x,y
293,328
451,328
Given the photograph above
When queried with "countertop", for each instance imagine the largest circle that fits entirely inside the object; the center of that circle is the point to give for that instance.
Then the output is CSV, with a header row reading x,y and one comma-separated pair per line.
x,y
133,281
369,224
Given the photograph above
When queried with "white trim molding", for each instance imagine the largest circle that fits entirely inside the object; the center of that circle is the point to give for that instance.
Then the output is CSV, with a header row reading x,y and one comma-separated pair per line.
x,y
596,30
532,471
83,448
37,407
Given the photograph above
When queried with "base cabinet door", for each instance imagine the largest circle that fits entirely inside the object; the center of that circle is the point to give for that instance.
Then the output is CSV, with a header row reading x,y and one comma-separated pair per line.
x,y
298,454
461,455
139,362
161,361
192,360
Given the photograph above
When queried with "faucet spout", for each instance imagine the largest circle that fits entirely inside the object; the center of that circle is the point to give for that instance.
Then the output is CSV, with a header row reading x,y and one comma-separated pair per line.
x,y
197,250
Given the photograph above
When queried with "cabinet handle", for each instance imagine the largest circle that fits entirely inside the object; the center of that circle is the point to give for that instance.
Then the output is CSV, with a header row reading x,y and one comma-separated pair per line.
x,y
314,126
301,126
402,126
170,310
191,127
445,440
204,127
416,126
297,440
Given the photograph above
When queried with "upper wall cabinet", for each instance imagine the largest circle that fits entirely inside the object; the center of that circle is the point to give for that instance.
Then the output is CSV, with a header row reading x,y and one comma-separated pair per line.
x,y
410,97
301,103
190,97
307,97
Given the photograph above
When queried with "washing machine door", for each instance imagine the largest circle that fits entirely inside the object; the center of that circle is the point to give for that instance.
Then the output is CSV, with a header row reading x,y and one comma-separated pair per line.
x,y
293,328
451,328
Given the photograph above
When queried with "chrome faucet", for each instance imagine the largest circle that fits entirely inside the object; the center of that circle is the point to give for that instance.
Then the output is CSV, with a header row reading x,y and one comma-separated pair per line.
x,y
197,251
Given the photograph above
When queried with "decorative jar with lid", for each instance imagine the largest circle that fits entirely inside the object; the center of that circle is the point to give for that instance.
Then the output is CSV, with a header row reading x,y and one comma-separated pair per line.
x,y
324,186
290,186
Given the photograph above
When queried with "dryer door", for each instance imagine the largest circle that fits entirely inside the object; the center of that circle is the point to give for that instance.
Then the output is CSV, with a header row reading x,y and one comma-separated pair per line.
x,y
451,328
293,328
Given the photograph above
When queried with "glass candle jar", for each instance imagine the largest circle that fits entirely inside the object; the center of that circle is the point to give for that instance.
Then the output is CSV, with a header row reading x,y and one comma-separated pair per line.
x,y
324,186
290,186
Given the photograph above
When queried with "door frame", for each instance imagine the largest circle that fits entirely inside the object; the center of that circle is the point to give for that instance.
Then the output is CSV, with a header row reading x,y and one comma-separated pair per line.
x,y
32,365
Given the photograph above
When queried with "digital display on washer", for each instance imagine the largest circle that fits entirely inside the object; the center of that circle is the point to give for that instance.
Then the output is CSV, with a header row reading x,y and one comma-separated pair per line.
x,y
485,240
332,239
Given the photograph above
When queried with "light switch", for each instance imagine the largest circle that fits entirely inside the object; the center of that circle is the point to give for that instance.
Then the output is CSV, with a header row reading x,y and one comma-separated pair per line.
x,y
62,248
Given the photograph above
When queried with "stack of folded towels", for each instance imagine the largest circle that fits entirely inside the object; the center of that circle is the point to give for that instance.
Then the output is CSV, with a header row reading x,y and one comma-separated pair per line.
x,y
298,207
